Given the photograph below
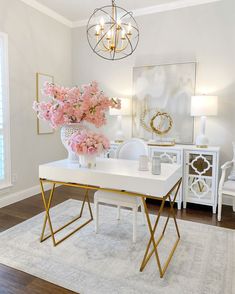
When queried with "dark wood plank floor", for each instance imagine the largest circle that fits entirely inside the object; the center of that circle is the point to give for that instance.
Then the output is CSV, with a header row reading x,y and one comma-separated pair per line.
x,y
16,282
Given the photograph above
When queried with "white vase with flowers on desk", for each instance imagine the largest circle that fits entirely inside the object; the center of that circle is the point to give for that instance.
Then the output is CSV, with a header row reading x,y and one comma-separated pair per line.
x,y
70,108
88,145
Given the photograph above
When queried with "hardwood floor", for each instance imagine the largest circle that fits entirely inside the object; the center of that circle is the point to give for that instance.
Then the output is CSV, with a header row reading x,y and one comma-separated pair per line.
x,y
16,282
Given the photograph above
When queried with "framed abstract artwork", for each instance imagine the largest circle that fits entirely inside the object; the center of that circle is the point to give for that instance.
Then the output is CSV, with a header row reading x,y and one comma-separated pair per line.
x,y
43,127
164,89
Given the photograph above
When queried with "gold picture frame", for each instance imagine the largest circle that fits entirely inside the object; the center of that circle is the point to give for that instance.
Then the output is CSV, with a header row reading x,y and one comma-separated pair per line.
x,y
43,127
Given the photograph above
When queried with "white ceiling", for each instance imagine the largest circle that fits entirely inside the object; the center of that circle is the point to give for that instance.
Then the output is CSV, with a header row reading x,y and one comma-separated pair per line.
x,y
75,13
77,10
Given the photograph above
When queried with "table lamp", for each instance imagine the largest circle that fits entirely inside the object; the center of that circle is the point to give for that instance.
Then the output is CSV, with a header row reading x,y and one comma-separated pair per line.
x,y
124,111
203,106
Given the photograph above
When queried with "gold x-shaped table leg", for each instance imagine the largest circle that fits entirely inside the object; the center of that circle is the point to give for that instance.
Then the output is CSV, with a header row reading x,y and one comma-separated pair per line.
x,y
47,218
152,230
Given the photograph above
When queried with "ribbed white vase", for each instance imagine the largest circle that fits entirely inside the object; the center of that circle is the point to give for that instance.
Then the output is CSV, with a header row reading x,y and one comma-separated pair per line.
x,y
66,132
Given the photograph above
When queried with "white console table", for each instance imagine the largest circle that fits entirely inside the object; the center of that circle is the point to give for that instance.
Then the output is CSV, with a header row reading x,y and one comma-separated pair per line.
x,y
200,171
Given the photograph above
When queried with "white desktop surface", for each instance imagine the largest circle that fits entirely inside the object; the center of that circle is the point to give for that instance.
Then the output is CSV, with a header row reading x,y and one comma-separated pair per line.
x,y
115,174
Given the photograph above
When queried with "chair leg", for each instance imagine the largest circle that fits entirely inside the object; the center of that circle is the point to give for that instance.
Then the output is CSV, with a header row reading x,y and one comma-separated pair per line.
x,y
118,212
219,206
134,223
179,205
96,216
143,213
214,209
233,205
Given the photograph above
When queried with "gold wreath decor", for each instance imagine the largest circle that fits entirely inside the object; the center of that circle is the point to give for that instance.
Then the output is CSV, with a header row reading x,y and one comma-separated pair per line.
x,y
158,130
143,123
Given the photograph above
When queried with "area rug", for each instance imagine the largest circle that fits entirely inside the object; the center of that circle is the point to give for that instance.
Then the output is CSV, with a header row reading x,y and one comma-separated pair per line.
x,y
108,262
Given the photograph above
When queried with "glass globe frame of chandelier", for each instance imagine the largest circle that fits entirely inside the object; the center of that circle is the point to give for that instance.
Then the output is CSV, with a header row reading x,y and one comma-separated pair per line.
x,y
113,39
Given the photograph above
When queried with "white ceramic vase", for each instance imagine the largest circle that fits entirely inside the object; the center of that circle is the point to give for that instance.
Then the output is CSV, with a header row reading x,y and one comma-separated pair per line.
x,y
87,161
66,132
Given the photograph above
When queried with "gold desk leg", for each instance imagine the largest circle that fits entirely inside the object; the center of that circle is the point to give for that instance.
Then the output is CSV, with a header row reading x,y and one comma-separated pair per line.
x,y
47,217
152,230
48,205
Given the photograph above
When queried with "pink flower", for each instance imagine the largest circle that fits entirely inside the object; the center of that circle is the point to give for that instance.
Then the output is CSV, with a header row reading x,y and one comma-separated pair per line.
x,y
87,142
72,105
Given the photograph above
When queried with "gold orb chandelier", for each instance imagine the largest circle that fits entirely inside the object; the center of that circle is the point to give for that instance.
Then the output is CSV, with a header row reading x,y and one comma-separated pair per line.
x,y
112,32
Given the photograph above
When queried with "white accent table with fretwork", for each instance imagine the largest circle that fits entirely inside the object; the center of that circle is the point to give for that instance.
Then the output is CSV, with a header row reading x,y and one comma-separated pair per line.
x,y
200,171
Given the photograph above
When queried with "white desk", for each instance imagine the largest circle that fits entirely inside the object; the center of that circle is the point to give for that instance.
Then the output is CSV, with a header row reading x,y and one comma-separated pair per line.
x,y
116,174
123,177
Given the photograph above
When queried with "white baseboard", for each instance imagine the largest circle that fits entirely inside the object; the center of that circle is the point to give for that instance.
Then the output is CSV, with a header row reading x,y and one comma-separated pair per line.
x,y
24,194
21,195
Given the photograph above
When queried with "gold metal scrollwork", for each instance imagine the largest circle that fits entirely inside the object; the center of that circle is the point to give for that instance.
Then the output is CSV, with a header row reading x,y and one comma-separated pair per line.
x,y
144,125
160,129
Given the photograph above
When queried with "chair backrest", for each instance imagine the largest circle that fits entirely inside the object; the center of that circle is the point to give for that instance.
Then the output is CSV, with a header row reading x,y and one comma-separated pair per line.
x,y
132,149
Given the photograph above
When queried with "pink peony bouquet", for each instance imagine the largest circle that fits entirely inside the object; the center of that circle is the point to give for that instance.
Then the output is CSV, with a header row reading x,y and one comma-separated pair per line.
x,y
74,105
88,143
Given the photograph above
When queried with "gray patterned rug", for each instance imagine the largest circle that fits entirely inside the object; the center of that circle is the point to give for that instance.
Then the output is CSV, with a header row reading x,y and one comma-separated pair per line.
x,y
108,263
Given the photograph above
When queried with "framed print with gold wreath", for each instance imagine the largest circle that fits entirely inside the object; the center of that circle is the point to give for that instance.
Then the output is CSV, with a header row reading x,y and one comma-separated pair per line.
x,y
162,102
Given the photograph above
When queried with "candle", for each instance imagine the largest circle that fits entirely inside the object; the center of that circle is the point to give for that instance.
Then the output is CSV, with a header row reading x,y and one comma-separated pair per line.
x,y
102,23
97,28
108,36
143,163
119,23
129,28
156,165
123,34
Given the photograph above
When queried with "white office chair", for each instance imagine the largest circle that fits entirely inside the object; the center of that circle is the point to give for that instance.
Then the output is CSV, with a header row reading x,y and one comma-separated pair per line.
x,y
226,187
130,149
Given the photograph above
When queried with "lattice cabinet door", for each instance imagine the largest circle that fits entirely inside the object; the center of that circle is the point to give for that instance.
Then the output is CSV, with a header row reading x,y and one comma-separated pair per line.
x,y
169,156
200,178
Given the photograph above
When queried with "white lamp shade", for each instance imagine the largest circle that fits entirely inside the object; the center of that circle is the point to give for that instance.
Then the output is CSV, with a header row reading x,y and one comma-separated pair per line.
x,y
204,105
125,108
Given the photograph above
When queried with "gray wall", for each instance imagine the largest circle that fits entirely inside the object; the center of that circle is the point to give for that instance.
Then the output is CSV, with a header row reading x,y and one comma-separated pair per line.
x,y
37,43
205,34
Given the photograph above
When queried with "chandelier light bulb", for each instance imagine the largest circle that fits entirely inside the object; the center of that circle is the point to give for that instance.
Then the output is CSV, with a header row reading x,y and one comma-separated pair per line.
x,y
108,35
119,23
102,23
123,34
98,28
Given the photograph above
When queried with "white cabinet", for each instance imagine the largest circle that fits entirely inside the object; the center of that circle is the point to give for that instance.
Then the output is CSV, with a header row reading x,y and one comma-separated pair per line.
x,y
200,171
201,176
